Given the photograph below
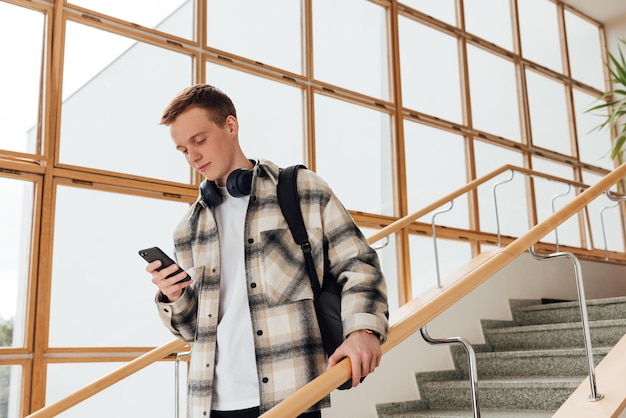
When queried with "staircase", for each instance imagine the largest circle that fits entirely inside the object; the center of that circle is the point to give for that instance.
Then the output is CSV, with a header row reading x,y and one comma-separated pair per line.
x,y
527,367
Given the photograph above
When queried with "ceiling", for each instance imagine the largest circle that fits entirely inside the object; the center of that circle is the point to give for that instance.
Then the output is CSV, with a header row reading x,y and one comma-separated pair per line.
x,y
601,10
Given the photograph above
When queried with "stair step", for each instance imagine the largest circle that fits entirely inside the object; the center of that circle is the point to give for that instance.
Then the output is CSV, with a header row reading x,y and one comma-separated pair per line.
x,y
563,312
469,414
603,333
527,367
531,363
545,394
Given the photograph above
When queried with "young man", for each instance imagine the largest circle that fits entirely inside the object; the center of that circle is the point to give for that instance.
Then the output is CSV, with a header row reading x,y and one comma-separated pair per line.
x,y
248,309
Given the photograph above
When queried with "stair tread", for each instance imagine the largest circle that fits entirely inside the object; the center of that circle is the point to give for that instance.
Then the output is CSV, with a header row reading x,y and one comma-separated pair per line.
x,y
512,381
550,327
570,304
514,385
553,352
483,413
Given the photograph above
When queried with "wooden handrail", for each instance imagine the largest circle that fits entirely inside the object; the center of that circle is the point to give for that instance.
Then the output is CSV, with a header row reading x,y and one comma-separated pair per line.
x,y
406,320
417,313
115,376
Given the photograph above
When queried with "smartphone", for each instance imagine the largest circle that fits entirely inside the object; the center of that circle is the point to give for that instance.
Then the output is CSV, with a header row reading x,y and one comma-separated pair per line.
x,y
155,253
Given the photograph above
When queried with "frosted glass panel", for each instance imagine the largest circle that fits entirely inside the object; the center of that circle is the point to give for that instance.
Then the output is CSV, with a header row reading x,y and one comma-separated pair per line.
x,y
451,254
548,113
440,9
585,51
539,30
16,209
387,254
111,108
611,238
430,71
353,149
19,84
429,177
274,28
10,391
594,146
550,196
498,15
98,273
147,393
510,196
156,14
350,45
270,114
493,91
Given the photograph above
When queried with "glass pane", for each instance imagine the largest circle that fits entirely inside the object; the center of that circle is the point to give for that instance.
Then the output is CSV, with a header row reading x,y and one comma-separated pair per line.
x,y
275,25
548,113
16,209
172,16
108,316
111,108
497,13
147,393
585,51
493,92
539,31
511,213
550,196
270,114
387,254
440,9
350,45
430,71
10,391
594,146
428,151
451,254
19,84
604,217
355,139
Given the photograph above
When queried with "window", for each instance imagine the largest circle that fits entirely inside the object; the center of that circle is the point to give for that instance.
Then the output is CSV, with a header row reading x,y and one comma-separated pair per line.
x,y
20,84
112,107
430,71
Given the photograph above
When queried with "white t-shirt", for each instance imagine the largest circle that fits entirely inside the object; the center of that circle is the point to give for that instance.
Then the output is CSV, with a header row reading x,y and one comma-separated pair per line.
x,y
236,384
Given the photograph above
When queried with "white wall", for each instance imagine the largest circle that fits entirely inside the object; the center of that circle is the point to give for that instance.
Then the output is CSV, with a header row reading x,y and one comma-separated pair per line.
x,y
524,278
615,30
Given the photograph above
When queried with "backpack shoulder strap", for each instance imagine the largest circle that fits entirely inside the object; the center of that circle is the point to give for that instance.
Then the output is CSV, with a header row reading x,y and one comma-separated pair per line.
x,y
289,202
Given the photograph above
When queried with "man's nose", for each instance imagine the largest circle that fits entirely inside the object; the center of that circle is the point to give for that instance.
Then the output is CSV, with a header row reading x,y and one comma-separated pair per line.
x,y
194,156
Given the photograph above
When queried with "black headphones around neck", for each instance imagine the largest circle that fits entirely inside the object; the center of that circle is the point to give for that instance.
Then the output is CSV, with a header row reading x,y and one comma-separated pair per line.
x,y
238,184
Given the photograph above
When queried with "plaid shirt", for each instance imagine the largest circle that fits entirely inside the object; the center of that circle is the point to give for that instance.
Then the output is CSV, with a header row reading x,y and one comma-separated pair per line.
x,y
287,340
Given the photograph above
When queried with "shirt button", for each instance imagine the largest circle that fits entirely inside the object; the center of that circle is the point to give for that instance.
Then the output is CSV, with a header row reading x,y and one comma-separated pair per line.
x,y
250,240
259,332
265,380
253,285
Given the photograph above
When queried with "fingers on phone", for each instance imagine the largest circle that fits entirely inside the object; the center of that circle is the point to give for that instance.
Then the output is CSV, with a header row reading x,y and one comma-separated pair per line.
x,y
151,267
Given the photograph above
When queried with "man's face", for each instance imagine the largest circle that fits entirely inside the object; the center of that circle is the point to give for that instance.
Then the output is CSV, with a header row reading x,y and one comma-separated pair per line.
x,y
208,148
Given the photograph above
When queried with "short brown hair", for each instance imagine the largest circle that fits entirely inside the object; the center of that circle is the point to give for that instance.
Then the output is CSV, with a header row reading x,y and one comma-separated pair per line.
x,y
204,96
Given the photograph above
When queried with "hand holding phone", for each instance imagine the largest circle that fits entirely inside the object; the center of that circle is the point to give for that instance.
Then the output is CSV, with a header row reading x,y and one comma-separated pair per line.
x,y
155,253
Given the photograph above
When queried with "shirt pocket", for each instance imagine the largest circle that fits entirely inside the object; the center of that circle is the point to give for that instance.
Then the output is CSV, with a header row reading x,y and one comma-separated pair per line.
x,y
285,275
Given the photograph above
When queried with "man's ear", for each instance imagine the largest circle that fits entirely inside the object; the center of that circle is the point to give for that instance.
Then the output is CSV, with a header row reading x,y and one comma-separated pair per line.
x,y
232,124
